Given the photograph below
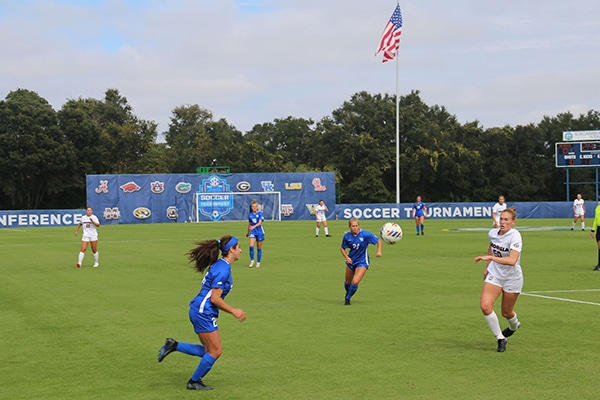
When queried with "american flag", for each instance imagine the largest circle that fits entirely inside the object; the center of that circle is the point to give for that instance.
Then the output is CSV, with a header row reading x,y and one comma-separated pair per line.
x,y
390,40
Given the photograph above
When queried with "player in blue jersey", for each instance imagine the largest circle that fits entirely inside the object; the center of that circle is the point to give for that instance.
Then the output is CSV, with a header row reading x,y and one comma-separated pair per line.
x,y
419,212
204,308
256,233
357,258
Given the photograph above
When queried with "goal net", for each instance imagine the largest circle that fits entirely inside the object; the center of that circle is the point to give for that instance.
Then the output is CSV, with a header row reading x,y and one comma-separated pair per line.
x,y
235,206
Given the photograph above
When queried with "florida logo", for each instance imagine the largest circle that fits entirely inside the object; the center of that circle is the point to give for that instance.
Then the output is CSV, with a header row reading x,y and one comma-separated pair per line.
x,y
183,187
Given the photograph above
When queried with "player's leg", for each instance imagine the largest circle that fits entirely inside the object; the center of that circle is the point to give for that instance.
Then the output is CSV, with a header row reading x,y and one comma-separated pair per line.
x,y
575,218
489,294
326,228
259,243
348,282
317,230
84,246
251,251
94,244
508,311
359,273
597,267
582,222
212,345
417,225
422,223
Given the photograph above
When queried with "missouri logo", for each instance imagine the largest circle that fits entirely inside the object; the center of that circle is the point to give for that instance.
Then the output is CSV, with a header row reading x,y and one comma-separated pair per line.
x,y
142,213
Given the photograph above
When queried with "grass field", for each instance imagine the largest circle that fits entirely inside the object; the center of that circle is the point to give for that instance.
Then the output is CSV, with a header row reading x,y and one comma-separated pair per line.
x,y
414,330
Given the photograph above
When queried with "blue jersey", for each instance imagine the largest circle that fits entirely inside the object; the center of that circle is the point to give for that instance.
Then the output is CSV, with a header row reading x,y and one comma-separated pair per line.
x,y
218,276
419,209
253,219
358,246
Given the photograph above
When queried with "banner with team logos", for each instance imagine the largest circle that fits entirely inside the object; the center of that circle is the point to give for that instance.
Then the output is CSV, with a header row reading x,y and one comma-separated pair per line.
x,y
159,198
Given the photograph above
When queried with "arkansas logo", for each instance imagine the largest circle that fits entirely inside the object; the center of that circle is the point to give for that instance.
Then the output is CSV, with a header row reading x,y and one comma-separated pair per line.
x,y
130,187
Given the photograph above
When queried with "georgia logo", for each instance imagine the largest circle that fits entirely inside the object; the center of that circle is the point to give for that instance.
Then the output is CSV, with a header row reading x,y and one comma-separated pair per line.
x,y
243,186
142,213
183,187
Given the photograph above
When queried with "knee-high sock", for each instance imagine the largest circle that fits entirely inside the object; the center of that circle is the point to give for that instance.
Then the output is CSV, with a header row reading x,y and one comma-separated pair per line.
x,y
422,228
513,323
96,257
251,252
204,367
82,254
351,290
317,231
346,286
258,254
326,230
191,349
494,324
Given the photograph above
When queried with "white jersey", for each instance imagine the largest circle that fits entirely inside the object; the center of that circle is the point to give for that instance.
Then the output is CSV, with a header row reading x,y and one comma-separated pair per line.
x,y
501,245
578,207
89,229
497,210
320,212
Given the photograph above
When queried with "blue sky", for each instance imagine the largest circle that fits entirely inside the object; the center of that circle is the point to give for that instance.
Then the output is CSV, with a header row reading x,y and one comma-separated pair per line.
x,y
251,61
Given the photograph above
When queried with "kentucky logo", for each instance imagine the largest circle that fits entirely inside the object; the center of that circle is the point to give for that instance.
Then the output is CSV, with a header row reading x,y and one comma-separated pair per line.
x,y
130,187
214,198
157,187
103,188
267,186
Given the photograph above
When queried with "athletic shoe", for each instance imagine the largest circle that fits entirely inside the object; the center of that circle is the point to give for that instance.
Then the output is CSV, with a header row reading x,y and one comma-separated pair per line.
x,y
78,265
418,234
96,265
197,385
508,332
316,235
597,267
346,302
501,345
169,347
257,265
327,235
251,264
571,228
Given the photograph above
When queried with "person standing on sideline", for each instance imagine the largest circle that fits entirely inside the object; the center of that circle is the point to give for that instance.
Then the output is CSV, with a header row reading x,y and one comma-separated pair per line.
x,y
502,275
419,212
255,233
578,211
90,224
497,210
320,211
596,233
357,258
205,307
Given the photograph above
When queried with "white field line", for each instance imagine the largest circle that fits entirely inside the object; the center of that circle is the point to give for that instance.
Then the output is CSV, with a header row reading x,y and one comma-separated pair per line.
x,y
563,299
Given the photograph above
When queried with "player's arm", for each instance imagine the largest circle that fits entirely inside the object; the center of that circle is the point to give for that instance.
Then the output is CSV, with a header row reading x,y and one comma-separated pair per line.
x,y
77,229
95,220
215,299
348,259
378,254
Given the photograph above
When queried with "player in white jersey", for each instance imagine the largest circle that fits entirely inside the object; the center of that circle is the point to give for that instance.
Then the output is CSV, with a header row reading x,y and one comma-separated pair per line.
x,y
320,211
502,275
497,210
90,235
578,212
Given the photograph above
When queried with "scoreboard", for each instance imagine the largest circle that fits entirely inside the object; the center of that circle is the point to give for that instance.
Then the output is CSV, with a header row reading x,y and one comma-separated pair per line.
x,y
578,154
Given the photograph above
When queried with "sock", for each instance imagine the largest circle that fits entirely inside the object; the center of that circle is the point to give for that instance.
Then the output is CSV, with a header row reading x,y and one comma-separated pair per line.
x,y
351,290
96,257
418,229
80,258
326,231
422,228
251,252
258,255
573,226
191,349
206,363
494,324
317,231
583,225
346,286
513,323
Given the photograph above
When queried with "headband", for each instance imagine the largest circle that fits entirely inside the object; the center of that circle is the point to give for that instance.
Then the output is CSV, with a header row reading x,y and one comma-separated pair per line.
x,y
232,242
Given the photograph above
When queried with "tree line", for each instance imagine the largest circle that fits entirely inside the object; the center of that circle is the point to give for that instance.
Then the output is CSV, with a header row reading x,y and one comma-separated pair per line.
x,y
46,154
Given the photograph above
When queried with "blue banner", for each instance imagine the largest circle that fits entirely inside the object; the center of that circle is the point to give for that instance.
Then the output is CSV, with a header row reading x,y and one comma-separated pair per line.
x,y
36,218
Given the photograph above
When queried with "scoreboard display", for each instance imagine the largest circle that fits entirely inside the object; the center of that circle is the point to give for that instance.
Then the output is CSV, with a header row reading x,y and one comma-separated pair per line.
x,y
578,154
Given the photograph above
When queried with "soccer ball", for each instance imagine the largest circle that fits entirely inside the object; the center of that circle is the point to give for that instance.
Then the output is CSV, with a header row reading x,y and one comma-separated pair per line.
x,y
390,232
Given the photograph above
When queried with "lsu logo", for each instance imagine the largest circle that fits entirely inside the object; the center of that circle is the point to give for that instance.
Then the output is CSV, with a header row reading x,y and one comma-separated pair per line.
x,y
130,187
157,187
293,186
316,182
103,188
183,187
112,213
287,209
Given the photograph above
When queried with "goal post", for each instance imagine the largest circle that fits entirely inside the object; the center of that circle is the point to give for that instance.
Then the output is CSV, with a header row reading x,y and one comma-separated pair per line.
x,y
235,206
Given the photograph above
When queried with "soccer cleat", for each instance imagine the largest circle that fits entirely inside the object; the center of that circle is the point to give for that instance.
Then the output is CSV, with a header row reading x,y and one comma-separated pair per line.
x,y
78,265
96,265
597,267
257,265
508,332
502,345
169,347
571,228
197,385
327,235
346,302
316,235
251,264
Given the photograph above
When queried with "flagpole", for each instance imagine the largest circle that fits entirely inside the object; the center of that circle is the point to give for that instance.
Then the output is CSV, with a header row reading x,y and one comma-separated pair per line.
x,y
397,134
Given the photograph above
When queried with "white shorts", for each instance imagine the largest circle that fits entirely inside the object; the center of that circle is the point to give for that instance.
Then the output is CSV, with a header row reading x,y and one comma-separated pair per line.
x,y
89,238
509,285
321,219
579,215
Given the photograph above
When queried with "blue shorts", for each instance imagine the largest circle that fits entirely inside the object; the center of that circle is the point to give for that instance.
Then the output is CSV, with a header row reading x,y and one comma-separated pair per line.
x,y
260,237
353,267
203,322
